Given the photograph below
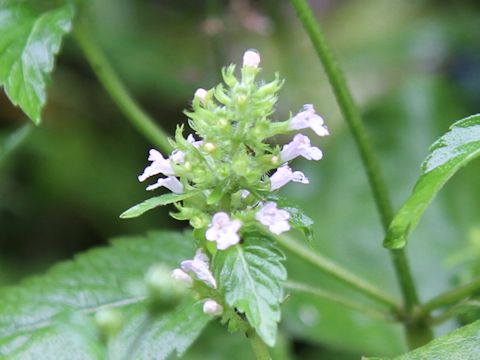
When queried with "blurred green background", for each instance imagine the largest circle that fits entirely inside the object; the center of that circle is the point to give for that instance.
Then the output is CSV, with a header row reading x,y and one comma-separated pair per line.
x,y
413,66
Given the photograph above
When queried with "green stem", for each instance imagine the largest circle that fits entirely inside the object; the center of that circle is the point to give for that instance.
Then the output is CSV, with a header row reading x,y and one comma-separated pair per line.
x,y
449,297
258,346
365,149
118,92
341,300
13,142
332,269
454,310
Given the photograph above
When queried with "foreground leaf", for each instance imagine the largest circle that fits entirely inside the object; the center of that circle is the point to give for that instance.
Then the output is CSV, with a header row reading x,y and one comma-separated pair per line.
x,y
251,276
145,337
154,202
29,41
99,279
462,344
447,155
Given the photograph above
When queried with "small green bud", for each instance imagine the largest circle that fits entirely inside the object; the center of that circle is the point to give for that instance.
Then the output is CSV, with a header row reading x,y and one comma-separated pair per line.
x,y
161,286
209,147
109,321
199,222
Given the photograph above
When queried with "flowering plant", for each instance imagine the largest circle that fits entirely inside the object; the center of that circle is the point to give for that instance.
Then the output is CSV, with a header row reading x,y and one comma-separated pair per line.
x,y
152,296
225,184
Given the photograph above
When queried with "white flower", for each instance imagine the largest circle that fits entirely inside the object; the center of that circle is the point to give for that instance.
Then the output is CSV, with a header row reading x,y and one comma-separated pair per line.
x,y
178,156
251,58
223,230
191,140
181,276
211,307
300,146
307,118
199,265
276,219
159,165
283,175
171,183
201,94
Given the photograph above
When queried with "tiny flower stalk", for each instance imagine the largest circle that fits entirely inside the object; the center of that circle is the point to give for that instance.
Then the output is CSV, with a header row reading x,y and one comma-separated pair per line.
x,y
232,170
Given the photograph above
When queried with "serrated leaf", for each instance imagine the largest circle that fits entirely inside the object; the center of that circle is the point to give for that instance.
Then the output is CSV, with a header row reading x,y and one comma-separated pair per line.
x,y
250,276
154,202
455,149
146,338
110,277
29,41
462,344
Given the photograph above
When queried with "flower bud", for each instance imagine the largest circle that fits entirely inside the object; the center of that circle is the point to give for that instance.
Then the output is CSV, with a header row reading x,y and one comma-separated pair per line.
x,y
109,321
182,277
251,58
201,94
211,307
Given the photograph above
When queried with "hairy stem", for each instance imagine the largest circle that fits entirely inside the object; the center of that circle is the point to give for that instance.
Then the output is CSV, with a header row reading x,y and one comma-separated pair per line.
x,y
258,346
117,90
365,149
332,269
338,299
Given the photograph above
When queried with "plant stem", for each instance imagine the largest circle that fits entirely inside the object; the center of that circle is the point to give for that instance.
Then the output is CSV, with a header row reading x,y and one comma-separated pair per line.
x,y
365,149
330,268
117,90
258,346
338,299
13,142
453,310
449,297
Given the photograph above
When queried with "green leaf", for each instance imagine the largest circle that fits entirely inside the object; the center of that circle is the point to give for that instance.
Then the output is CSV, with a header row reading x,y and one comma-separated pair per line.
x,y
298,219
462,344
455,149
250,276
29,41
154,202
145,335
111,277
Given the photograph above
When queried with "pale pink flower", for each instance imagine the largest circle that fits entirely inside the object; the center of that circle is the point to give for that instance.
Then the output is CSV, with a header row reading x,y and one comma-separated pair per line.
x,y
159,165
284,175
182,277
308,118
300,146
171,183
223,231
178,156
276,219
199,265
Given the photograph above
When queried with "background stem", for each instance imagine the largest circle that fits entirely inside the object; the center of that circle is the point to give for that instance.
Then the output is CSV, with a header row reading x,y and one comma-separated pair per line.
x,y
332,269
258,346
450,297
365,149
118,92
338,299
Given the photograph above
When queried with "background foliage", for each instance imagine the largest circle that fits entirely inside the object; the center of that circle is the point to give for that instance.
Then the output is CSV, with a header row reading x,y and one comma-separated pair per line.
x,y
414,68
